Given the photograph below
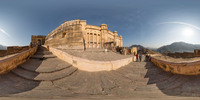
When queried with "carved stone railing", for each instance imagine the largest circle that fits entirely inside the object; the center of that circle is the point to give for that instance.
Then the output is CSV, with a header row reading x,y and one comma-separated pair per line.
x,y
12,62
184,68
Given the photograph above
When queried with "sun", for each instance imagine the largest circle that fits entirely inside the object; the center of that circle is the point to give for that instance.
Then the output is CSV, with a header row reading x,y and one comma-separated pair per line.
x,y
188,32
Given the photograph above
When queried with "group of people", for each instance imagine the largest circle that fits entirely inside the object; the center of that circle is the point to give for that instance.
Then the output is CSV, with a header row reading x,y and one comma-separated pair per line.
x,y
139,57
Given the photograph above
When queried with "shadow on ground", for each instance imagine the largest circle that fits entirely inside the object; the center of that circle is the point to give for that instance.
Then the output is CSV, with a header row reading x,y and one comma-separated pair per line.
x,y
13,83
172,84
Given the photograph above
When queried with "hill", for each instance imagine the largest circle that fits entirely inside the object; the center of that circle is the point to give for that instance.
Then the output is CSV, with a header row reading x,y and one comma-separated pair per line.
x,y
139,47
179,47
143,49
2,47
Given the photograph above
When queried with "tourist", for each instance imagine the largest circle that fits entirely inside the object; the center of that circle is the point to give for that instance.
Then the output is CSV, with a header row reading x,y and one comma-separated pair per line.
x,y
147,57
136,57
140,57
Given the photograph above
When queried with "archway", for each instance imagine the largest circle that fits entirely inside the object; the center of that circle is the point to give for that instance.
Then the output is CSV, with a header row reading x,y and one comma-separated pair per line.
x,y
39,42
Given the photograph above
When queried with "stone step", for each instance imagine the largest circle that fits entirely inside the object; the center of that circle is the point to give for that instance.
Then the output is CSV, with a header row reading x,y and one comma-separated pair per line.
x,y
136,72
159,77
44,76
45,66
42,57
43,53
154,71
172,82
149,88
12,84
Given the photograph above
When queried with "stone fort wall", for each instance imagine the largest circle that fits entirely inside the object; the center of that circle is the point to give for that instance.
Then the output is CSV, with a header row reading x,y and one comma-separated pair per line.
x,y
12,50
76,34
184,68
37,40
196,53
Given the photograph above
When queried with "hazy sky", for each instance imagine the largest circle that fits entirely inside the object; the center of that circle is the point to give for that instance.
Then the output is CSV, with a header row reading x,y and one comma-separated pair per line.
x,y
151,23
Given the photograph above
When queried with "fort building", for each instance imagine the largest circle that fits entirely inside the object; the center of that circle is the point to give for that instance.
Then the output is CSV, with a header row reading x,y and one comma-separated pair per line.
x,y
37,40
77,34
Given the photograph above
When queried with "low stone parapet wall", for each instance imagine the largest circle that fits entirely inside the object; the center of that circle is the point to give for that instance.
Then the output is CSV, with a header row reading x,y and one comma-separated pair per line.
x,y
90,65
12,50
12,62
184,68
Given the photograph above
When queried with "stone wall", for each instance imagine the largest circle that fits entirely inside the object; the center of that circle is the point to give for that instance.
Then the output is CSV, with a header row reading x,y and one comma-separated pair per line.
x,y
12,50
76,34
184,68
3,53
133,50
181,55
37,40
196,53
90,65
16,49
69,35
12,62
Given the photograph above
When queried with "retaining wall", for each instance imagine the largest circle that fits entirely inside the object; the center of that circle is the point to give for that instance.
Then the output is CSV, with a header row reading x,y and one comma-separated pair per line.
x,y
12,62
90,65
184,68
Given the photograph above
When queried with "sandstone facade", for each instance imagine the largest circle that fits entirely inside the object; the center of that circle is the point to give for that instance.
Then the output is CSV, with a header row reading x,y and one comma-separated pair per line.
x,y
134,50
77,34
37,40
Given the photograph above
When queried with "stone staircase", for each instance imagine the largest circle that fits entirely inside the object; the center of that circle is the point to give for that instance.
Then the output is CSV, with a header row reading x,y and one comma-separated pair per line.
x,y
44,66
46,76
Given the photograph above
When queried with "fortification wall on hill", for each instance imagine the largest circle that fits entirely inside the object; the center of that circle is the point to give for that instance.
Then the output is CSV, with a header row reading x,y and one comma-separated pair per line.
x,y
196,53
13,50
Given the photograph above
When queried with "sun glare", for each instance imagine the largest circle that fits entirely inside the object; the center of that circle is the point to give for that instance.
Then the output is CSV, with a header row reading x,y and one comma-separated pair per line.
x,y
188,32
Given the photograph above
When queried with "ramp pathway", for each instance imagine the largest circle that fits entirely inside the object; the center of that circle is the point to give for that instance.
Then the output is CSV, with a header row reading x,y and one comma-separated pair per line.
x,y
46,76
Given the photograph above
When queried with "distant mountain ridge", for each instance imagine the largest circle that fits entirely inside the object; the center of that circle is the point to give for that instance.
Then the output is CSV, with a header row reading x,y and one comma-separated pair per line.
x,y
142,49
2,47
138,46
179,47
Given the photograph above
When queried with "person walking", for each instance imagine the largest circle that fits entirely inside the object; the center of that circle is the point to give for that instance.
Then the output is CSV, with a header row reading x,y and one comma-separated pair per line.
x,y
147,58
140,57
136,57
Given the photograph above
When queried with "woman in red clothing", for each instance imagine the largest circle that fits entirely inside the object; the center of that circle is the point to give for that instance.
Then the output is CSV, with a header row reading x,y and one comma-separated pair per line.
x,y
136,57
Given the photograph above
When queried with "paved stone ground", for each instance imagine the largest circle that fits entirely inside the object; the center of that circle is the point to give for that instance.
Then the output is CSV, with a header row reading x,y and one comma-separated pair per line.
x,y
47,77
99,55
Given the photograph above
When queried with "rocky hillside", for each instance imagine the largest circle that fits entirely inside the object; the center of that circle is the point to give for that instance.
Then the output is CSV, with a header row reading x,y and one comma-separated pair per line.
x,y
2,47
179,47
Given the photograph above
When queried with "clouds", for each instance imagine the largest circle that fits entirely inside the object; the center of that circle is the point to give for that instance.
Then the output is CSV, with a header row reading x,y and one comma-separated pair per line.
x,y
4,32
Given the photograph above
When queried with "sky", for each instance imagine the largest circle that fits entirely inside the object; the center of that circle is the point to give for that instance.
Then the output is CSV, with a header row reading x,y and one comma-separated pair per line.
x,y
151,23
